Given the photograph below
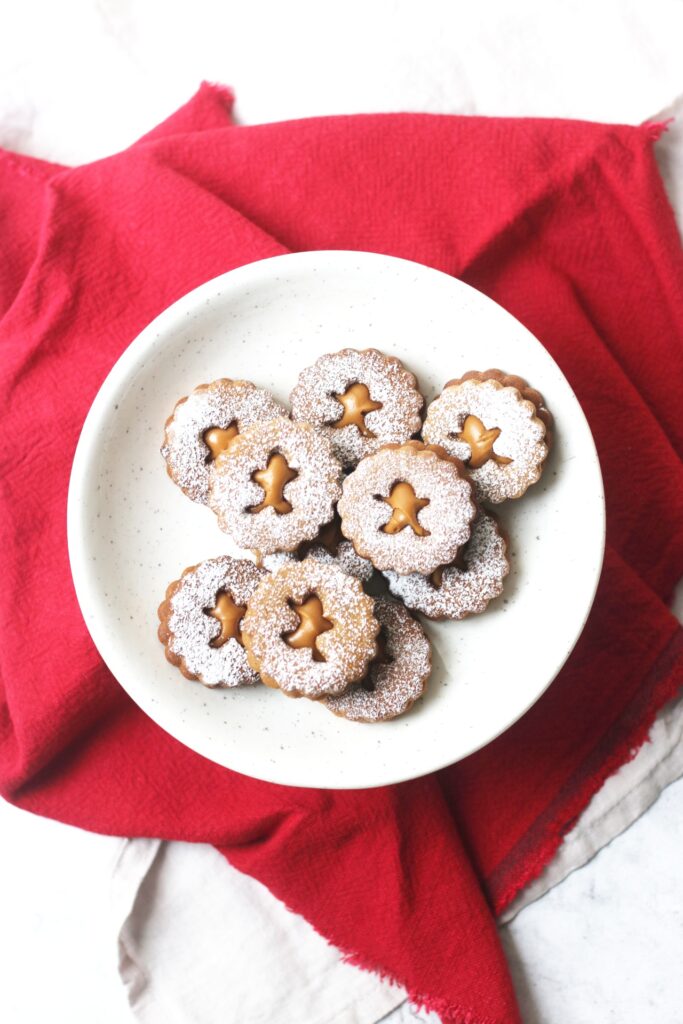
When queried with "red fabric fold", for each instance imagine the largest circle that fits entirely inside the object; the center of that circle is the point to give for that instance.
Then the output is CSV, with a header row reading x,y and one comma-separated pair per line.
x,y
567,225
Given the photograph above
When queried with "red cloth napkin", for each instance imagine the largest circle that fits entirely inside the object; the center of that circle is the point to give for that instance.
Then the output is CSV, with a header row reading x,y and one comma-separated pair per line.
x,y
564,223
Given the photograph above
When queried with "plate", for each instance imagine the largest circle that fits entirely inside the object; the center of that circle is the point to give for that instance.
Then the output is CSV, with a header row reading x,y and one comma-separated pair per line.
x,y
131,530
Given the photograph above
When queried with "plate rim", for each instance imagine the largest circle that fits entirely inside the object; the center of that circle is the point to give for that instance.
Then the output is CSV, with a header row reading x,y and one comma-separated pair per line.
x,y
134,354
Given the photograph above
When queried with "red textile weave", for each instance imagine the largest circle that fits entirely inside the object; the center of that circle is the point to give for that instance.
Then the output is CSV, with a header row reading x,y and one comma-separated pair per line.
x,y
566,225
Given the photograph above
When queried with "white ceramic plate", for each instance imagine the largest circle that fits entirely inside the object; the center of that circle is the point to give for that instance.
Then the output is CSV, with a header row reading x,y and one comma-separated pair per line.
x,y
131,531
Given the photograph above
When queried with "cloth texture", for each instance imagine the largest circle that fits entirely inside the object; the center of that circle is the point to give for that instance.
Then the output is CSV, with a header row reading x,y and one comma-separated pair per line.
x,y
564,223
168,897
175,903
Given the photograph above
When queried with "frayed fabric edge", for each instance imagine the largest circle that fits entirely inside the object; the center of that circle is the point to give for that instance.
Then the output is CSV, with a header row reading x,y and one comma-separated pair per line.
x,y
224,92
447,1012
655,129
624,751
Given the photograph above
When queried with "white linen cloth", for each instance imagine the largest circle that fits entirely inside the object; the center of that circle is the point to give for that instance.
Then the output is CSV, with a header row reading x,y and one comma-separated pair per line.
x,y
196,941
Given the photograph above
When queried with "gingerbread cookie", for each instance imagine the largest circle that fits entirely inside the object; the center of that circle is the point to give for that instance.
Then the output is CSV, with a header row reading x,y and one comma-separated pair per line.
x,y
397,675
329,546
275,486
361,400
455,591
498,426
200,621
204,423
408,508
310,630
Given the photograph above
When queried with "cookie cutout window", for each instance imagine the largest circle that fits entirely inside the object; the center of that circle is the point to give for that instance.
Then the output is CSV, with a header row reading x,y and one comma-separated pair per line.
x,y
357,403
273,479
481,441
405,507
229,615
312,624
436,578
218,439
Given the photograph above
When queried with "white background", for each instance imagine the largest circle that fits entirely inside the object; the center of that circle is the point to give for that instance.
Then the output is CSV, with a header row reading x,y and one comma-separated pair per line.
x,y
80,79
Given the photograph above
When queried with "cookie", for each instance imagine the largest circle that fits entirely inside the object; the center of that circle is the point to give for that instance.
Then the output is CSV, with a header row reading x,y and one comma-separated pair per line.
x,y
204,423
455,591
360,399
498,426
408,508
310,630
329,546
397,675
275,486
200,621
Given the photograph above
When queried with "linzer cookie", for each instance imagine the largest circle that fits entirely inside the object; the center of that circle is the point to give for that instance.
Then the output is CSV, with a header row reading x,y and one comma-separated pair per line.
x,y
455,591
310,630
204,423
329,546
398,673
275,486
300,619
408,508
498,426
200,621
360,399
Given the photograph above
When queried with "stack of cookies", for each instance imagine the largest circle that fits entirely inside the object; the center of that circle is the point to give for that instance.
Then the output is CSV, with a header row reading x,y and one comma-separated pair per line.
x,y
352,494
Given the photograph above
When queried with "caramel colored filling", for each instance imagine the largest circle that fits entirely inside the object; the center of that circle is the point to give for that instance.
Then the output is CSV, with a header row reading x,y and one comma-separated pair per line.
x,y
481,443
382,657
229,615
405,505
312,623
273,480
217,439
436,578
357,403
330,536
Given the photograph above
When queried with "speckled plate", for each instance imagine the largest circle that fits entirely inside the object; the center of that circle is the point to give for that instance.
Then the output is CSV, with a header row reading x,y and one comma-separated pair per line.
x,y
131,531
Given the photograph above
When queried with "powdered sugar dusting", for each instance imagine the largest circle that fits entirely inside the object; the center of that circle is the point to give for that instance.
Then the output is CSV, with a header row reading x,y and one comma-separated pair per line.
x,y
447,517
192,630
396,685
277,559
521,438
312,495
463,591
345,559
387,381
347,647
211,405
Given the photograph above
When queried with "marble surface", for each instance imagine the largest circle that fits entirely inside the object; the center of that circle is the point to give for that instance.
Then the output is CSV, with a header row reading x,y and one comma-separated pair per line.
x,y
604,947
80,79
